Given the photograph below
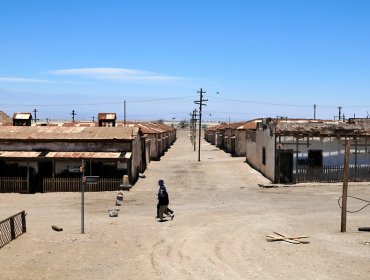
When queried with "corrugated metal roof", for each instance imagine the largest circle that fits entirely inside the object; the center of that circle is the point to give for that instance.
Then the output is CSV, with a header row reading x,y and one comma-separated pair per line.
x,y
66,133
107,116
22,116
83,155
19,154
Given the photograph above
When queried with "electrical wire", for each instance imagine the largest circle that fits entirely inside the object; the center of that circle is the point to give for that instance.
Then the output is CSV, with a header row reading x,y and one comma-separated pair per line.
x,y
368,203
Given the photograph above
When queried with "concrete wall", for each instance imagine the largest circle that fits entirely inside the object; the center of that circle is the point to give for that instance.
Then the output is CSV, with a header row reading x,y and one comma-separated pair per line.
x,y
240,145
255,143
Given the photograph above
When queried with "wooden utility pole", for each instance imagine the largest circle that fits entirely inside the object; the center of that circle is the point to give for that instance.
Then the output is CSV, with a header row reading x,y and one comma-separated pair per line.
x,y
124,113
340,112
34,112
200,102
345,187
195,129
73,115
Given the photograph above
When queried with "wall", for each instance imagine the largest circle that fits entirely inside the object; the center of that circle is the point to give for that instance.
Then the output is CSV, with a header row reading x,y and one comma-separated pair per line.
x,y
255,142
240,145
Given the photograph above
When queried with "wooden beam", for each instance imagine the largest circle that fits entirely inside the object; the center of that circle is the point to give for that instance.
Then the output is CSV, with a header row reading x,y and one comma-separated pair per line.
x,y
345,187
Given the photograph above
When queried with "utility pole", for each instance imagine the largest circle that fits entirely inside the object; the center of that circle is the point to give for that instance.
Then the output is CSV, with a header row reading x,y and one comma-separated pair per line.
x,y
340,112
73,115
200,102
34,112
124,113
195,128
314,111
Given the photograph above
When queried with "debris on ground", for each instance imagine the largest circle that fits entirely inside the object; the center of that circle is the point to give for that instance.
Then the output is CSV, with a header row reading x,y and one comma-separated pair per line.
x,y
56,228
296,239
119,198
113,212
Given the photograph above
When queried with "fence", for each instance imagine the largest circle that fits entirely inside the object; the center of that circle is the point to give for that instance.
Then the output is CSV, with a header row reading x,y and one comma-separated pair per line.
x,y
330,174
13,184
74,185
12,227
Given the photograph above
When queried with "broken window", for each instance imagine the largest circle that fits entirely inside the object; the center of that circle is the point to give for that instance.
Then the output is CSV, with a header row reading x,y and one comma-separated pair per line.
x,y
315,158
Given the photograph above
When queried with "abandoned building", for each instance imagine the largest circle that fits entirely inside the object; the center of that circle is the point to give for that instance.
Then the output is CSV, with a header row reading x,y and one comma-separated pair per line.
x,y
107,119
47,158
231,137
298,150
22,119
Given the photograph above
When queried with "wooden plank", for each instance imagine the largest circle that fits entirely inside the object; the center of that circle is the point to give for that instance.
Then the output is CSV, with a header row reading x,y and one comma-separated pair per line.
x,y
284,235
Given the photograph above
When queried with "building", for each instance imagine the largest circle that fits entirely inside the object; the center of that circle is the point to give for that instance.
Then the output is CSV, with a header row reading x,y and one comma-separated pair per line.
x,y
39,154
22,119
301,150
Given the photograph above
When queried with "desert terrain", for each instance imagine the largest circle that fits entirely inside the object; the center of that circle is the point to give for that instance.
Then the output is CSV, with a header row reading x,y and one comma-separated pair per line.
x,y
219,231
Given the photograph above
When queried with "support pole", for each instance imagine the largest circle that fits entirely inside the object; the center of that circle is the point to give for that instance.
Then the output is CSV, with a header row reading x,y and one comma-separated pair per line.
x,y
28,177
83,199
345,187
296,161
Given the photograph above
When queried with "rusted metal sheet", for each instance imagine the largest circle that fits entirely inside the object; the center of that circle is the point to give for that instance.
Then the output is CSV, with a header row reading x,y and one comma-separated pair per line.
x,y
22,116
67,133
128,155
84,155
19,154
107,116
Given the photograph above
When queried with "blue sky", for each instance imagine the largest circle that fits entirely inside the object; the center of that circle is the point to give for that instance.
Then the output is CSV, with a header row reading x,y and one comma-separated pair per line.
x,y
253,58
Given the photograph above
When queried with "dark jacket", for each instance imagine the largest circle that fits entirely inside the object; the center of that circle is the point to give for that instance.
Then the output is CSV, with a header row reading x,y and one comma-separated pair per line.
x,y
163,198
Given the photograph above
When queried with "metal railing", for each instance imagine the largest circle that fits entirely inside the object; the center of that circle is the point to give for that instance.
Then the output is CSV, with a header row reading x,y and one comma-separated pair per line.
x,y
12,227
74,185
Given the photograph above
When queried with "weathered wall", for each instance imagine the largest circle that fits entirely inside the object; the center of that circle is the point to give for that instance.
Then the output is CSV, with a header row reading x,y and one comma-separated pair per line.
x,y
240,145
254,148
333,150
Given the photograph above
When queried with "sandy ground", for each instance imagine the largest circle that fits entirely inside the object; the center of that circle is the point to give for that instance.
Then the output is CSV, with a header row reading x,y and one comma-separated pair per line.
x,y
221,220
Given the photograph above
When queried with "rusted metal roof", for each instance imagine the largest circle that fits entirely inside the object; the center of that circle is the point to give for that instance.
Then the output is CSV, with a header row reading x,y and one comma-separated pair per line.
x,y
107,116
84,155
318,128
67,133
19,154
22,116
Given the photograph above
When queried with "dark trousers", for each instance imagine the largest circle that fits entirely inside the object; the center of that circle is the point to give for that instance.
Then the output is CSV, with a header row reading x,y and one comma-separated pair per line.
x,y
168,209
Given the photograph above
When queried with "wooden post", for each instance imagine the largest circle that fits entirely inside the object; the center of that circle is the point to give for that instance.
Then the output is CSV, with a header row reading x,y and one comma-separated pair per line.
x,y
24,226
28,177
296,162
355,159
12,228
345,188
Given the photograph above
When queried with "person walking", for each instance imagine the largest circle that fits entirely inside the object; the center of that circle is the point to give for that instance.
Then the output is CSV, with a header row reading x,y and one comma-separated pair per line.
x,y
163,201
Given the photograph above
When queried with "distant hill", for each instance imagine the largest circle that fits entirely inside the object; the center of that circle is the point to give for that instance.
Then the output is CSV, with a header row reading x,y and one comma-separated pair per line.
x,y
4,117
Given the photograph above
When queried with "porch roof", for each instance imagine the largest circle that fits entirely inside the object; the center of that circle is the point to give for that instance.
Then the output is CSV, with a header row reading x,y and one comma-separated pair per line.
x,y
84,155
19,154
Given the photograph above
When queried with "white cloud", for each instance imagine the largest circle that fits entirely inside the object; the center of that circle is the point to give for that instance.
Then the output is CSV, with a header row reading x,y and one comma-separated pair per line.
x,y
115,74
22,80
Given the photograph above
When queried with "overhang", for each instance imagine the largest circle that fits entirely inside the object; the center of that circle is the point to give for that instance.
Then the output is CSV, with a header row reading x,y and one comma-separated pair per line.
x,y
19,154
84,155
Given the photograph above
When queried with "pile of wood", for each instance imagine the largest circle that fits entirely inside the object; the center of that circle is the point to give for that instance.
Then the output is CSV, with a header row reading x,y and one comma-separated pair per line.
x,y
296,239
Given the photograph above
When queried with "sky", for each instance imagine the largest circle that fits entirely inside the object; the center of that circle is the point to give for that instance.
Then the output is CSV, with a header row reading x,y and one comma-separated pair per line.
x,y
252,58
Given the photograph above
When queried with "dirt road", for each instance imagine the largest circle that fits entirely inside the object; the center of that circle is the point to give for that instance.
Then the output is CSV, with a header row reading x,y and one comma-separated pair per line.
x,y
221,220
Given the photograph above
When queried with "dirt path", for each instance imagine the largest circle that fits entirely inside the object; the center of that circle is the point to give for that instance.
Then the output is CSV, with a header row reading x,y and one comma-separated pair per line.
x,y
221,220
